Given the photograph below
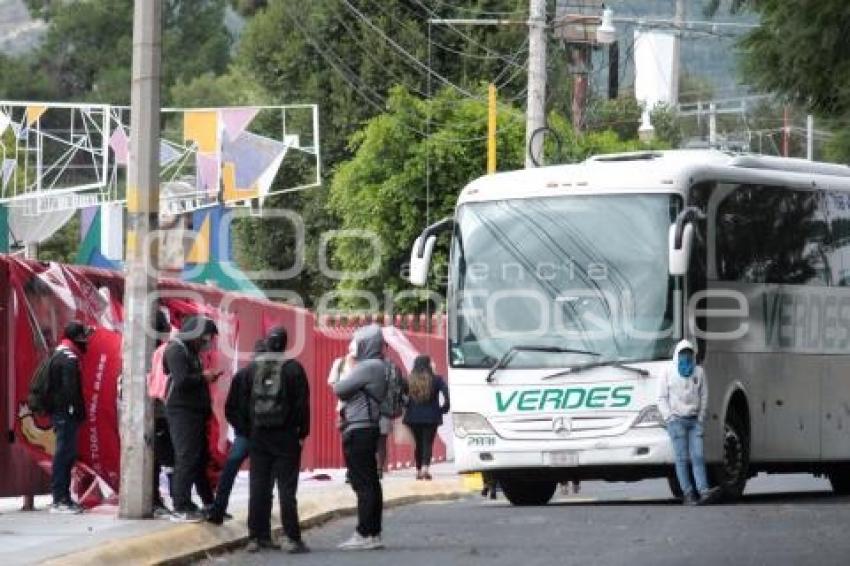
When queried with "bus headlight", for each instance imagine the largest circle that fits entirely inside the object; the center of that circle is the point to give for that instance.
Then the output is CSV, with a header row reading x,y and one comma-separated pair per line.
x,y
650,416
470,423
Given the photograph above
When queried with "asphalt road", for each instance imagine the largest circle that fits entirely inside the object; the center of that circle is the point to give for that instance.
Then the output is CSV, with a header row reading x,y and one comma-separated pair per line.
x,y
793,520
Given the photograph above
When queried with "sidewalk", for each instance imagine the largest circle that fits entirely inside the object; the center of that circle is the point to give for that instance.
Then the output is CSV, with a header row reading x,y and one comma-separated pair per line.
x,y
99,537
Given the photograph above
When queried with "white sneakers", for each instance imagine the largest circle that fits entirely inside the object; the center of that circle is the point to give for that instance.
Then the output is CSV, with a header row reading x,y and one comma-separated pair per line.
x,y
359,542
66,509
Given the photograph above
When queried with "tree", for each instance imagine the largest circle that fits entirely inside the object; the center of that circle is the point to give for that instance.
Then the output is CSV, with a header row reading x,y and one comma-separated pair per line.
x,y
801,52
88,48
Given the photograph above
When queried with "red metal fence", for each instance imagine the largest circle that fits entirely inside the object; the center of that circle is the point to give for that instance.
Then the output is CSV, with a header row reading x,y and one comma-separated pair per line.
x,y
322,339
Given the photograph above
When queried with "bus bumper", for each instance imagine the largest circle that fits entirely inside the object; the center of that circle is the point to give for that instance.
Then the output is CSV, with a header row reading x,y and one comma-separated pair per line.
x,y
636,447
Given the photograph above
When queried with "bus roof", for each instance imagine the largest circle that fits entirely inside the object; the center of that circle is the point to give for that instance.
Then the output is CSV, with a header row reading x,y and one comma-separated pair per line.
x,y
650,171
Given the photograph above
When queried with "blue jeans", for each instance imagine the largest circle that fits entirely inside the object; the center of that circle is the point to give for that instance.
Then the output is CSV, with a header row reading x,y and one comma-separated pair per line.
x,y
686,434
66,429
237,455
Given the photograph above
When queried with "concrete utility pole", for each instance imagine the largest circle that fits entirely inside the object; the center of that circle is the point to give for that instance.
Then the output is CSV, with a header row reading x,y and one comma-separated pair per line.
x,y
536,110
136,497
678,23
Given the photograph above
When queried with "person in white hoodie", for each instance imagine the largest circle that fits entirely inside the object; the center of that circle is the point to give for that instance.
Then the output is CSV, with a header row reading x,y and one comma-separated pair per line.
x,y
683,403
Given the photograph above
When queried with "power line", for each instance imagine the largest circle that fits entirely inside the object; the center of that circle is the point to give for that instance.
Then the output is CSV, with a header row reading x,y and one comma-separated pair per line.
x,y
412,58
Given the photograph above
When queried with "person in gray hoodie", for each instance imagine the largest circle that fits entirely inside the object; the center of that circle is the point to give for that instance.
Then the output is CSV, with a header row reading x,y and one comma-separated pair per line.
x,y
363,391
683,404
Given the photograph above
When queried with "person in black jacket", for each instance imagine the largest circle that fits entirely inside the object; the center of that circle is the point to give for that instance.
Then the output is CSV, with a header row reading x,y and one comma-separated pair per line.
x,y
237,410
187,408
280,421
68,410
424,412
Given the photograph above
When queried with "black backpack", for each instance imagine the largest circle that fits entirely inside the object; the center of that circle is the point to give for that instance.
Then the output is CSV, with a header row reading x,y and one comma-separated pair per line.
x,y
269,405
38,397
393,405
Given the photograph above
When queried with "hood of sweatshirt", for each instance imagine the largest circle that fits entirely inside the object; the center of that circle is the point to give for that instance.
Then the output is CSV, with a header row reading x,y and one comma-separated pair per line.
x,y
370,342
683,345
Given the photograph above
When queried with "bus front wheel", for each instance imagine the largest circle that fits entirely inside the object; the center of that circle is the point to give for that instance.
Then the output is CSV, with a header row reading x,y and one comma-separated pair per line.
x,y
733,473
527,493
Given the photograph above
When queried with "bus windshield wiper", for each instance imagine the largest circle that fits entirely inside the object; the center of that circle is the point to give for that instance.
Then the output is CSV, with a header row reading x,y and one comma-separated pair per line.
x,y
514,350
608,363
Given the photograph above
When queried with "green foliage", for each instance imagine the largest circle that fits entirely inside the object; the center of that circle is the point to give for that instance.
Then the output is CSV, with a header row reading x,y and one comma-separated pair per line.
x,y
666,123
622,115
801,51
62,246
20,79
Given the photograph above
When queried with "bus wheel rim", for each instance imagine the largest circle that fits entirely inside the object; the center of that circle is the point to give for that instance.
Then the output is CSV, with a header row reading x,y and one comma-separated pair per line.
x,y
733,455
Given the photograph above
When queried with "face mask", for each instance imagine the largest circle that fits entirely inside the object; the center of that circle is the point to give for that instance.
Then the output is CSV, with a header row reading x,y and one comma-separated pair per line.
x,y
686,366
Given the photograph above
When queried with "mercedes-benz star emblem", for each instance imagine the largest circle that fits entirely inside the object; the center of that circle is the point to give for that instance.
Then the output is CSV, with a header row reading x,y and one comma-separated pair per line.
x,y
561,426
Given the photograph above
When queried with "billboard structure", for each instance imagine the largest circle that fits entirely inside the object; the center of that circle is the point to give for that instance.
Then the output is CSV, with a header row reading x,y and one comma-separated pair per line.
x,y
57,158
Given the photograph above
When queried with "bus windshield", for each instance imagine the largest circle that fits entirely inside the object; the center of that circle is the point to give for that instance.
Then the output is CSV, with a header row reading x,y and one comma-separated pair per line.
x,y
580,272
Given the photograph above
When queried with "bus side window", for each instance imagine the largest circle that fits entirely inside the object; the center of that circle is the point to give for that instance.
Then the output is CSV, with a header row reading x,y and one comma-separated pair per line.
x,y
837,207
768,234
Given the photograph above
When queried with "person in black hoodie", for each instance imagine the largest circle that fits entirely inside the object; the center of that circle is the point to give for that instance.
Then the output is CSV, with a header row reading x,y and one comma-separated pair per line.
x,y
237,409
187,408
68,410
279,423
424,412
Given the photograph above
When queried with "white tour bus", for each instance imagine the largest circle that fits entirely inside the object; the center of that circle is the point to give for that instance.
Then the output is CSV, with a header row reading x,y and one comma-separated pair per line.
x,y
569,287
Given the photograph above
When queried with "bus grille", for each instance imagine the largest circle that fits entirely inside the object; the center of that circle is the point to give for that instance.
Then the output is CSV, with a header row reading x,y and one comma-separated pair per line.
x,y
560,427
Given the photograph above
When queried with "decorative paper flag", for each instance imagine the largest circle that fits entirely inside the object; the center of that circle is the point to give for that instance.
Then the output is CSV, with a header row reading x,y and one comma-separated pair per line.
x,y
34,113
9,166
258,159
120,144
235,120
201,128
4,122
207,168
167,154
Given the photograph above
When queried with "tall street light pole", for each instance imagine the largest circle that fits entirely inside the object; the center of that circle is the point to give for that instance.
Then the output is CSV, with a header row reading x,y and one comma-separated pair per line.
x,y
536,110
136,490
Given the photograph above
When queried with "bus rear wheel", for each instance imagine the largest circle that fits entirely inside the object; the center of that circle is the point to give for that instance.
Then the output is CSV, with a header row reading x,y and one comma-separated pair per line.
x,y
528,493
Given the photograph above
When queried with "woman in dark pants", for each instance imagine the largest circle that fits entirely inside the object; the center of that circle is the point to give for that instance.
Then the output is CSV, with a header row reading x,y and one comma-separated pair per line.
x,y
424,412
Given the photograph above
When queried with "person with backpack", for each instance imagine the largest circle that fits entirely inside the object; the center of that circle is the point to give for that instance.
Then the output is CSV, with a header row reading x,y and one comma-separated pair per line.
x,y
365,391
279,416
187,408
424,412
237,409
64,402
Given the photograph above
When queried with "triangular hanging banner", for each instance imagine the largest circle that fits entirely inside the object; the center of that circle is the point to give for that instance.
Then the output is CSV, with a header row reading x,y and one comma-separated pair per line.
x,y
120,144
34,113
9,166
235,120
207,170
167,154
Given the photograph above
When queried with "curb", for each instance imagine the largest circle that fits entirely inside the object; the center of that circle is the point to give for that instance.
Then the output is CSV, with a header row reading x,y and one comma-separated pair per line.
x,y
180,544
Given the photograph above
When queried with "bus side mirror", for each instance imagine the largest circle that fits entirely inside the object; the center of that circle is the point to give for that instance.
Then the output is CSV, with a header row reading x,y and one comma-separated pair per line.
x,y
420,259
679,252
